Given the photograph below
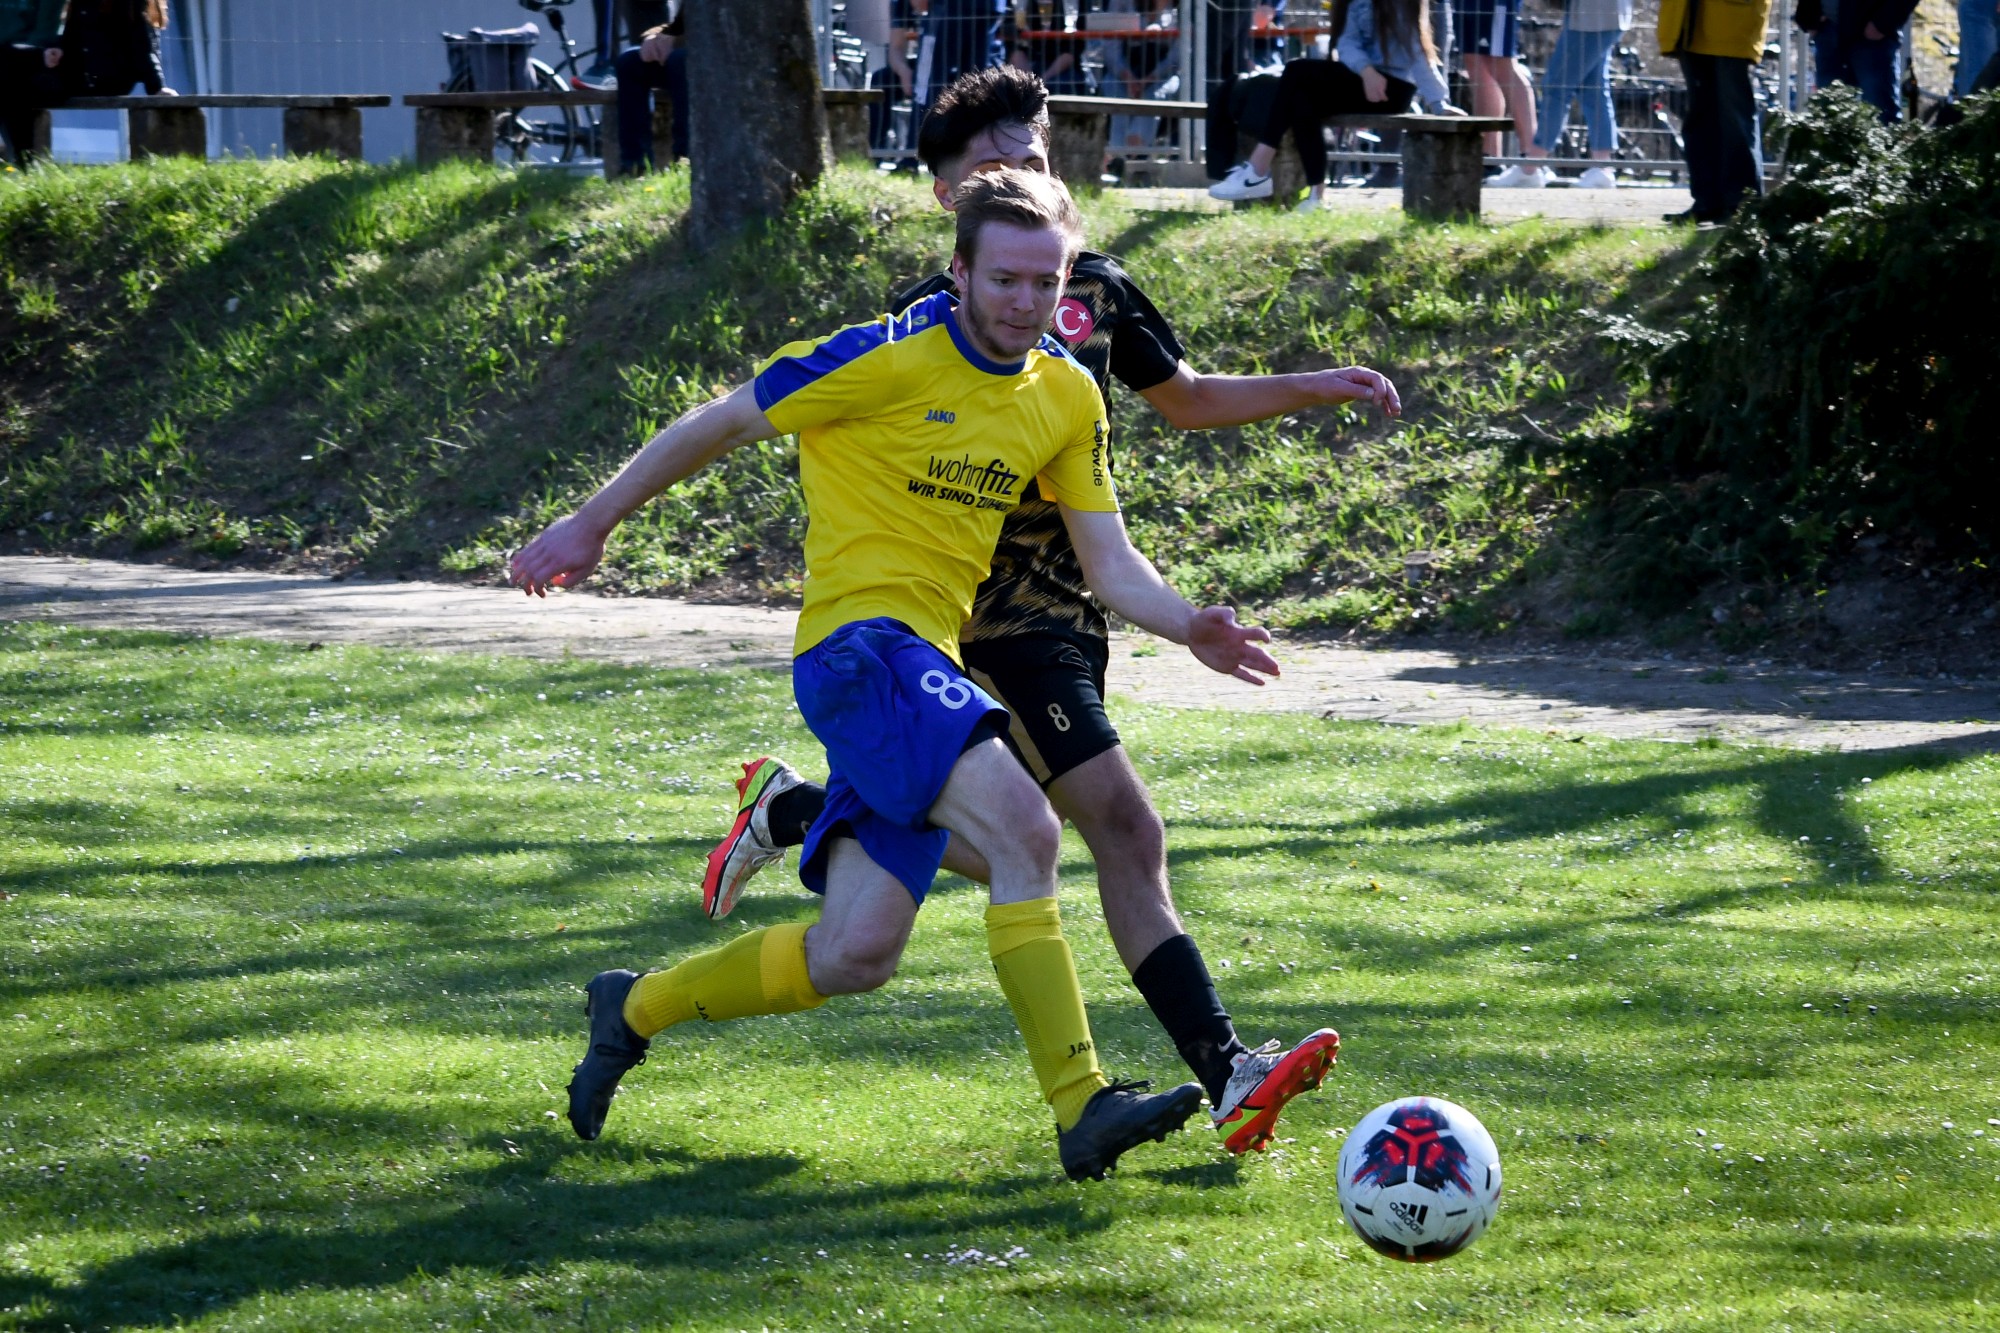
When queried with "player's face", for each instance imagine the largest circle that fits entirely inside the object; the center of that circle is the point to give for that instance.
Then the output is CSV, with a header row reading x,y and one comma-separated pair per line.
x,y
996,146
1009,292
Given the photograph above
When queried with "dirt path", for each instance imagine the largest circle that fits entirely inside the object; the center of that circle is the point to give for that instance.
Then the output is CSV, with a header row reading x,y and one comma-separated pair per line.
x,y
1662,698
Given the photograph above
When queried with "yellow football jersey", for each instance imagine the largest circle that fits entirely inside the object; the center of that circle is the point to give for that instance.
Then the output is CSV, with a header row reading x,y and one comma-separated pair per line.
x,y
912,447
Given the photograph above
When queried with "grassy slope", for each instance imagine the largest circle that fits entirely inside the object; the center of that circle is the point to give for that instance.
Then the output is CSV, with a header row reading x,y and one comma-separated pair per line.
x,y
287,1001
285,359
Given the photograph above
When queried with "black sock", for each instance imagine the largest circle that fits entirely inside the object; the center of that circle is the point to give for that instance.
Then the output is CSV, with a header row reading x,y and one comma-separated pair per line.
x,y
1177,987
793,812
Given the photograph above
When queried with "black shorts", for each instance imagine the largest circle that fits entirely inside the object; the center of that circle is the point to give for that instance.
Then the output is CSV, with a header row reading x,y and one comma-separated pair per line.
x,y
1052,684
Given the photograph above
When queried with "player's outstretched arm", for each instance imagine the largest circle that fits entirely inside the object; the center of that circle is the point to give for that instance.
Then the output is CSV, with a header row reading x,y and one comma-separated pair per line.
x,y
1205,402
1126,581
565,553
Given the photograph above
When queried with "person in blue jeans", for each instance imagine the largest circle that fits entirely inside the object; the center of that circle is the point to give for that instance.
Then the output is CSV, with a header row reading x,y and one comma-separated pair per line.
x,y
1978,43
658,62
1580,71
1860,43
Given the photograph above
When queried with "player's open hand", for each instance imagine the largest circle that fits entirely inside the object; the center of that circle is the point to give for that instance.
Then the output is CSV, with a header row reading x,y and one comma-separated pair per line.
x,y
1358,384
561,557
1220,644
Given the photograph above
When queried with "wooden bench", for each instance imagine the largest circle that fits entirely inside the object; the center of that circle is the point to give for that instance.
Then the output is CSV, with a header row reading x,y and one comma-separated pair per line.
x,y
460,125
178,126
1441,157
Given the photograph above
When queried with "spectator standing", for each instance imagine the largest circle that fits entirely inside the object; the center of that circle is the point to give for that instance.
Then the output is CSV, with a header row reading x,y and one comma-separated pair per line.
x,y
1716,42
108,45
1489,33
1386,59
1580,71
958,36
658,63
1151,62
29,30
1978,43
1859,43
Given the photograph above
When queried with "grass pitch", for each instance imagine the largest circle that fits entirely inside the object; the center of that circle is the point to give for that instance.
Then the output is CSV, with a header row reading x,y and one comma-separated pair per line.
x,y
293,939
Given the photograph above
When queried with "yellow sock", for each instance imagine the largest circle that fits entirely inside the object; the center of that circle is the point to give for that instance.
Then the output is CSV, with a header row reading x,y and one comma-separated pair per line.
x,y
763,972
1038,976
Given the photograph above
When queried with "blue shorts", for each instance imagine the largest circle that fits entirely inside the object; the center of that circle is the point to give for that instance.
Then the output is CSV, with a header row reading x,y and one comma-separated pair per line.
x,y
894,714
1489,27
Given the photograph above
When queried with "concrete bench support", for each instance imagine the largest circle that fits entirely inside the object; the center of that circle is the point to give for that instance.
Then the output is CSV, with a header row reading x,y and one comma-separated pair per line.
x,y
1077,144
1442,165
180,131
1080,132
334,131
847,118
450,133
1442,175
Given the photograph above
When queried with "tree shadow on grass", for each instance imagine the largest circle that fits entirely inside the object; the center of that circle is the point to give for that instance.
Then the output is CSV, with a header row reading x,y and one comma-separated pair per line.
x,y
1796,800
702,1217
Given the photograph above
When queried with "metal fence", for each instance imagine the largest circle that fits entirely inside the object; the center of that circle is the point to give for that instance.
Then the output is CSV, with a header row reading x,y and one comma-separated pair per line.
x,y
393,46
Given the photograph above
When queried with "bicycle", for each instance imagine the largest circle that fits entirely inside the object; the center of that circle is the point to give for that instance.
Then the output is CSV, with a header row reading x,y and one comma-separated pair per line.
x,y
1648,113
544,135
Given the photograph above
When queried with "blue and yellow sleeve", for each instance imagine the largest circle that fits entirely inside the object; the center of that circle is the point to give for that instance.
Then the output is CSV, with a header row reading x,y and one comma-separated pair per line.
x,y
812,382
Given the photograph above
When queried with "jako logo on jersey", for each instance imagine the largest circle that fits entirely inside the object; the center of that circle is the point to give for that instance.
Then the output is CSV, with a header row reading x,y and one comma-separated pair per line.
x,y
1072,321
939,414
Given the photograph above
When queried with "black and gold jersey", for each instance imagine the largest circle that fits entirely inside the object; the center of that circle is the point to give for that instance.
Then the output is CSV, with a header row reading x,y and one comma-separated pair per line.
x,y
1114,331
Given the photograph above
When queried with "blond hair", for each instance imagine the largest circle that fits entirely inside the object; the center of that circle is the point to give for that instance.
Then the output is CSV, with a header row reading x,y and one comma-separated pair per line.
x,y
1026,199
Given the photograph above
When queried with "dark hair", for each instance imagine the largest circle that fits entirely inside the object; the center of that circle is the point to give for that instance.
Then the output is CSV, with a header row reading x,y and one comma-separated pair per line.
x,y
977,101
1025,199
1401,25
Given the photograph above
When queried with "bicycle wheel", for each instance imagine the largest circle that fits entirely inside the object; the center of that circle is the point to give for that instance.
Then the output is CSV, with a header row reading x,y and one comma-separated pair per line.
x,y
541,135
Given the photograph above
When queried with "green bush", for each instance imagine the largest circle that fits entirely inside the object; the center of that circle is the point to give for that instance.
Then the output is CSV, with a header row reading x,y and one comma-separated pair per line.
x,y
1837,380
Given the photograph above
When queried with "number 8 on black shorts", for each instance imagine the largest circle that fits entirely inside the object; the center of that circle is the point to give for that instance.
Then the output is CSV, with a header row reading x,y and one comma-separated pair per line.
x,y
1052,686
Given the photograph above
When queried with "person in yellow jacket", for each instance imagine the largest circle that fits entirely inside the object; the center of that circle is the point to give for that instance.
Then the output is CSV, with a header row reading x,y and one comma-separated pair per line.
x,y
1717,41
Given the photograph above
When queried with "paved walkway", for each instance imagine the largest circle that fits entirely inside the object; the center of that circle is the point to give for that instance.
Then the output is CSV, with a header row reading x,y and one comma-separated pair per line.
x,y
1636,205
1664,698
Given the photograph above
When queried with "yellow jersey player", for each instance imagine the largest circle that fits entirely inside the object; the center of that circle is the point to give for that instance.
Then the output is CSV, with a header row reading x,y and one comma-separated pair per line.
x,y
1038,642
917,435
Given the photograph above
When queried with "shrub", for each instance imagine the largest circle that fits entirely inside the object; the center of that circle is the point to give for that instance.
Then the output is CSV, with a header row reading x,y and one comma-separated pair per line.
x,y
1837,378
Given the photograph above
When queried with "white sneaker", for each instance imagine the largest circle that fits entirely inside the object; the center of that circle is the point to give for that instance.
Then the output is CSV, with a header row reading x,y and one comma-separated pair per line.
x,y
1241,184
1311,204
1520,178
1597,178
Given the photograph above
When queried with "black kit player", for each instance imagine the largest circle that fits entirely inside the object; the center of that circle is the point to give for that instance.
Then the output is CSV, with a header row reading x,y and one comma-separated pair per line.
x,y
1038,641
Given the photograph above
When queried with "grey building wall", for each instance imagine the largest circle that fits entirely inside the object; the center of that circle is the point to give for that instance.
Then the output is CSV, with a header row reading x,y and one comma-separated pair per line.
x,y
348,46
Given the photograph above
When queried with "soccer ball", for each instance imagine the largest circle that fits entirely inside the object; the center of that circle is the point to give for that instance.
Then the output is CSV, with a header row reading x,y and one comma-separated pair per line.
x,y
1419,1179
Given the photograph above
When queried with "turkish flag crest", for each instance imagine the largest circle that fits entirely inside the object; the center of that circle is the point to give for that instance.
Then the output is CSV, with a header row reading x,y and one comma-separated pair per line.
x,y
1072,322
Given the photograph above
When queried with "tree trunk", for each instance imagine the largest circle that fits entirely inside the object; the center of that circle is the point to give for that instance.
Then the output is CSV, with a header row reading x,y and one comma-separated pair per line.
x,y
756,125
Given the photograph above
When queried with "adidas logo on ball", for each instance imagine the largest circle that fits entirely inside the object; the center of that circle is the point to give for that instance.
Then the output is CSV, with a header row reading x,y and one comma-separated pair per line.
x,y
1411,1215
